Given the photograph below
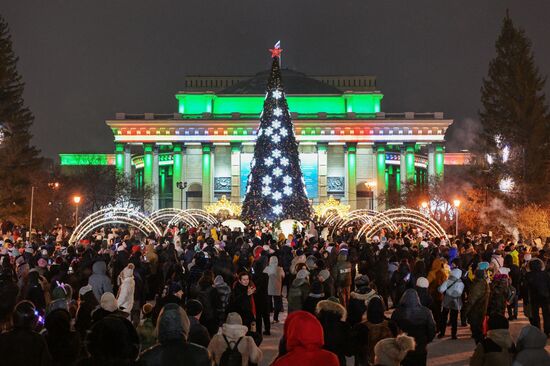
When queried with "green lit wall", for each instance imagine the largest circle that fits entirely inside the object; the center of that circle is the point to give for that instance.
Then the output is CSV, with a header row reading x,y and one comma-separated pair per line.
x,y
439,160
246,104
409,162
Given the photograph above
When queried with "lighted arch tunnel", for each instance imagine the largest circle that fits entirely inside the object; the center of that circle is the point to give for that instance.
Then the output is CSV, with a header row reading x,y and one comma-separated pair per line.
x,y
197,215
167,214
114,215
402,216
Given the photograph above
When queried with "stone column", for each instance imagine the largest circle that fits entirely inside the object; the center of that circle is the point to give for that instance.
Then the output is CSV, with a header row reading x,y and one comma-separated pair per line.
x,y
148,174
436,161
322,166
155,181
409,162
178,151
402,166
206,174
127,161
119,158
379,198
351,160
431,162
236,172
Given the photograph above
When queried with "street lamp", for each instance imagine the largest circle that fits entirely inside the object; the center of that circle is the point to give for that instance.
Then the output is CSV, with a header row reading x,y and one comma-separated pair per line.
x,y
181,186
424,205
456,203
76,200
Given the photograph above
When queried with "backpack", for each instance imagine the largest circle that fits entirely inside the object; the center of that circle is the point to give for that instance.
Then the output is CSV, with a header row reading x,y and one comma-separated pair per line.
x,y
231,356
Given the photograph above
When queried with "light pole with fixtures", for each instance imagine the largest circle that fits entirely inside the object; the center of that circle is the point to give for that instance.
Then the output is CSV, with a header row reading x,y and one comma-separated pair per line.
x,y
76,200
456,203
182,186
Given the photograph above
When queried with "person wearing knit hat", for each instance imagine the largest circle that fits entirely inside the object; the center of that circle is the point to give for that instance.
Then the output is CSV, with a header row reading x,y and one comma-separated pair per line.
x,y
198,333
172,332
298,291
233,334
146,329
391,351
315,295
311,263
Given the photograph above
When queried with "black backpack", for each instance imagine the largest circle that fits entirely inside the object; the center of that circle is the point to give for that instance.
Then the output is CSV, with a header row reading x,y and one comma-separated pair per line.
x,y
231,356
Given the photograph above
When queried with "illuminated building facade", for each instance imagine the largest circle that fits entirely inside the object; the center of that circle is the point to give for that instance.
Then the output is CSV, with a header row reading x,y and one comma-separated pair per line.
x,y
349,148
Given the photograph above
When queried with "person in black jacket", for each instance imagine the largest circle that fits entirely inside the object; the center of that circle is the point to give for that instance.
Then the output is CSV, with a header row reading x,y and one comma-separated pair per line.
x,y
418,322
22,346
261,299
242,301
337,333
538,292
63,344
208,297
198,333
173,348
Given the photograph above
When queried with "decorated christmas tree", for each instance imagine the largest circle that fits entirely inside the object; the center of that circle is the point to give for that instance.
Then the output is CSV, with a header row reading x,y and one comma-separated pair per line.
x,y
276,188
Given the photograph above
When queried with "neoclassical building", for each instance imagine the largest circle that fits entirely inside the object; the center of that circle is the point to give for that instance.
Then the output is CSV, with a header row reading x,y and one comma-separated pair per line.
x,y
349,148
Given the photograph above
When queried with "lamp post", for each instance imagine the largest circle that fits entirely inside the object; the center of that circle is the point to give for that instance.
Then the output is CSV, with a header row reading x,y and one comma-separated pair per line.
x,y
32,207
76,200
456,203
181,186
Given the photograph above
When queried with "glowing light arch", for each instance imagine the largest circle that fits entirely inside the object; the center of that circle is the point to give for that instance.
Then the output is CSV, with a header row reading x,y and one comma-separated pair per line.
x,y
402,216
167,214
197,215
114,215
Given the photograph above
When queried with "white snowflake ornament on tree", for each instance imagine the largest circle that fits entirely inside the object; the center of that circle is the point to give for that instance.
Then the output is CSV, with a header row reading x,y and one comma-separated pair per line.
x,y
276,153
277,94
284,161
277,196
277,172
266,180
277,112
268,161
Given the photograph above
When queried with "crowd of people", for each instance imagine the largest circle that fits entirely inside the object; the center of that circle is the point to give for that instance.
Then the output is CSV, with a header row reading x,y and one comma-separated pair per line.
x,y
209,295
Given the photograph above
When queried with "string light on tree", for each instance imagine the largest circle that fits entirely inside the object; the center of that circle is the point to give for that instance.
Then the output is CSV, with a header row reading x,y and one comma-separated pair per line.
x,y
275,189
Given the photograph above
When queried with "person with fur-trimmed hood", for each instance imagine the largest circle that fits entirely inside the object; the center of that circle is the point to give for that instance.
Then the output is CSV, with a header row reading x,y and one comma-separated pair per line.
x,y
337,333
234,333
359,299
391,351
498,347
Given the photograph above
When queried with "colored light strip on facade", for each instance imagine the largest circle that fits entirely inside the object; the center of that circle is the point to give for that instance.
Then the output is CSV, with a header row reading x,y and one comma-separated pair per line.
x,y
87,159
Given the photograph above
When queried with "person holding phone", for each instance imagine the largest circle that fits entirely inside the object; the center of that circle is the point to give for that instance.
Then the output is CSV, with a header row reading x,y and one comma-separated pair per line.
x,y
242,301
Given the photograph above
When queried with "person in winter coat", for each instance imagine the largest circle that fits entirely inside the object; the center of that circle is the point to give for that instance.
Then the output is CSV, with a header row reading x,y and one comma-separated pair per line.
x,y
452,290
476,308
242,300
126,288
107,306
530,348
401,280
328,282
63,344
261,298
86,305
22,346
336,331
146,329
304,343
315,295
298,292
499,293
173,348
112,341
208,297
359,299
275,286
417,321
198,333
498,347
234,334
538,294
224,293
391,351
421,288
367,333
436,277
514,274
100,282
341,272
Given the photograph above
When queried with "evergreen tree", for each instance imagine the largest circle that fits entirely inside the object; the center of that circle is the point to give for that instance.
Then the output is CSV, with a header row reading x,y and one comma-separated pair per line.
x,y
276,188
515,116
19,161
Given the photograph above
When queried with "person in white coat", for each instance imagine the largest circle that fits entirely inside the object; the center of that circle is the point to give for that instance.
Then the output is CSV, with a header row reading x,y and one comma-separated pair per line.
x,y
126,288
452,290
275,286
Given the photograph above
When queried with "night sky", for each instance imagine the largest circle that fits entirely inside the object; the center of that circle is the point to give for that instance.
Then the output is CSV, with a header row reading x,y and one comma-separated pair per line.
x,y
85,60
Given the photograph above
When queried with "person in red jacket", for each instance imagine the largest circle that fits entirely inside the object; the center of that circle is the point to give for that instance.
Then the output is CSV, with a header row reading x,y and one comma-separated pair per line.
x,y
304,343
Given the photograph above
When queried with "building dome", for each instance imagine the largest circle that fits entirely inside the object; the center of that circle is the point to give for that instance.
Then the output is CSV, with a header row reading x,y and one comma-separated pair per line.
x,y
294,83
